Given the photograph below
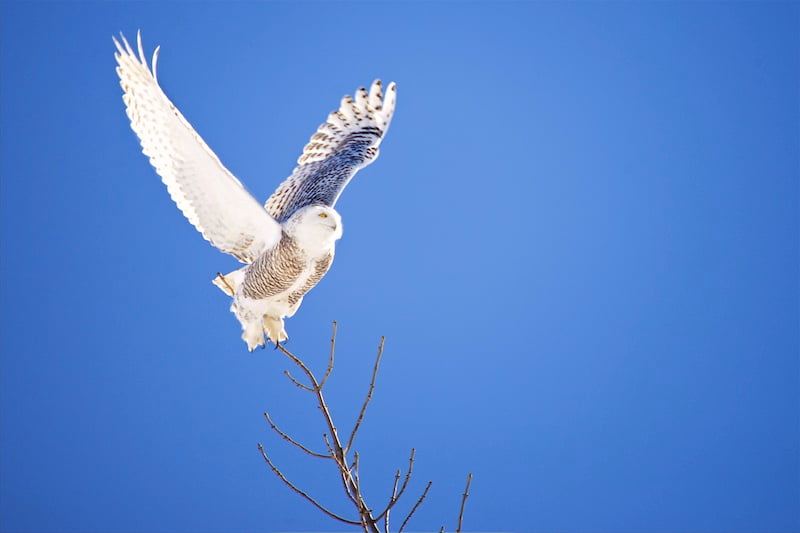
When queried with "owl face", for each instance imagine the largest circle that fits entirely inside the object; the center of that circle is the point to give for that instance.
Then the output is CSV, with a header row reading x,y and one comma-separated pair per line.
x,y
315,227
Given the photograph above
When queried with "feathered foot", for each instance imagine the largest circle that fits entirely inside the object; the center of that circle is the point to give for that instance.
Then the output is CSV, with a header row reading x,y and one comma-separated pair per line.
x,y
253,335
273,327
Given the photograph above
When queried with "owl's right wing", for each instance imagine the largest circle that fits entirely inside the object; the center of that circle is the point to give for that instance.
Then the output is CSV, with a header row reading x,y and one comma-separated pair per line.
x,y
213,200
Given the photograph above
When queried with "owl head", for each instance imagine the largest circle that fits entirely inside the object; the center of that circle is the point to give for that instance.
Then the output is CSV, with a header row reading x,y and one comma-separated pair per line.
x,y
314,227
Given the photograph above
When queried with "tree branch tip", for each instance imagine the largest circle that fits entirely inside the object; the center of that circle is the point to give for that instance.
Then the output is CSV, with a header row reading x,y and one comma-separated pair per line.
x,y
464,497
413,509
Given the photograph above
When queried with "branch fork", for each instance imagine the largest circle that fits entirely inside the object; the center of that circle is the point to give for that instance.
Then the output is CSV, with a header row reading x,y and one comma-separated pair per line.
x,y
340,454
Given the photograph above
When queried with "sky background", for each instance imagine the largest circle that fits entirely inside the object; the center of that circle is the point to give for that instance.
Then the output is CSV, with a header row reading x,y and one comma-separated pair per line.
x,y
580,241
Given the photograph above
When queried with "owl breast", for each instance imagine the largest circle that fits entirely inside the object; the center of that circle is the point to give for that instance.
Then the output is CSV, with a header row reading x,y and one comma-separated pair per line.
x,y
285,273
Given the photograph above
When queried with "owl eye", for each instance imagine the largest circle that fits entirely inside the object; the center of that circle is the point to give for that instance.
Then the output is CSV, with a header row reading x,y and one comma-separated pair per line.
x,y
324,215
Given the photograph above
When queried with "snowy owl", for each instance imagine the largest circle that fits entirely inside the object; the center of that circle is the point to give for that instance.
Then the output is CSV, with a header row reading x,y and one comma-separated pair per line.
x,y
288,244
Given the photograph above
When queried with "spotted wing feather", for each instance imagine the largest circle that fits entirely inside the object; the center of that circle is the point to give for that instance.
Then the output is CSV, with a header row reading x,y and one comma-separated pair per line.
x,y
347,142
213,200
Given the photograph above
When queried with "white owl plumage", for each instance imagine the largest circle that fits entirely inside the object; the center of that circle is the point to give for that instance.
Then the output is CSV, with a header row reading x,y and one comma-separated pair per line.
x,y
287,244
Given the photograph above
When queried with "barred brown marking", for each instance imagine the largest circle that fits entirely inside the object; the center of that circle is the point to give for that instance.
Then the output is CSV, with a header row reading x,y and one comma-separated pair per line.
x,y
275,271
320,267
347,142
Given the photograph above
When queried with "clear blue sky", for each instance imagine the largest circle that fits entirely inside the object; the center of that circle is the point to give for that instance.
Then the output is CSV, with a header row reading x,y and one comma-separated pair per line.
x,y
580,240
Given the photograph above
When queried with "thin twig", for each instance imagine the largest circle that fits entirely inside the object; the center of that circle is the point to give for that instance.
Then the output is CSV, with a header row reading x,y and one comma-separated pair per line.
x,y
368,398
357,484
328,444
344,473
330,358
392,500
304,387
303,494
335,455
413,509
335,445
463,501
355,472
405,484
302,366
408,473
225,281
290,440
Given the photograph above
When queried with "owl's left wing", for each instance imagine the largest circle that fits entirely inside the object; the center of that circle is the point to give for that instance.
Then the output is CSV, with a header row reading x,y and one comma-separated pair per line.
x,y
346,142
213,200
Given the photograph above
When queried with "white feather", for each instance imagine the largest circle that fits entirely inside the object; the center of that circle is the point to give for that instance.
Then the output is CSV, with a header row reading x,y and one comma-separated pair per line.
x,y
213,200
367,110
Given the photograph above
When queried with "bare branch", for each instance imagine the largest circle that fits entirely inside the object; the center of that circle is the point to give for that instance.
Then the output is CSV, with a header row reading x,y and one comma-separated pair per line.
x,y
355,471
304,387
335,456
328,444
403,487
334,446
301,365
225,281
392,501
337,452
356,483
413,509
301,493
330,359
290,440
368,398
463,501
343,470
408,474
441,529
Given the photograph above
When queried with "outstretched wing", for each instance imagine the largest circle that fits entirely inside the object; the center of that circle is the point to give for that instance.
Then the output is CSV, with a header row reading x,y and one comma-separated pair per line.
x,y
213,200
347,142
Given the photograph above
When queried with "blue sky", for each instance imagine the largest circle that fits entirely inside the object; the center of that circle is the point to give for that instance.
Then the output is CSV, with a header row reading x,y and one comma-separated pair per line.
x,y
580,241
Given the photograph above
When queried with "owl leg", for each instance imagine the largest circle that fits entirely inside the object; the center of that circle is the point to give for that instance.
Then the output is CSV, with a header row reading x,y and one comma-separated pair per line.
x,y
274,329
253,335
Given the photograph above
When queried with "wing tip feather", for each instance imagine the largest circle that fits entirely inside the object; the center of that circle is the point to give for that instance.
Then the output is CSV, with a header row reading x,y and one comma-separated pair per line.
x,y
368,108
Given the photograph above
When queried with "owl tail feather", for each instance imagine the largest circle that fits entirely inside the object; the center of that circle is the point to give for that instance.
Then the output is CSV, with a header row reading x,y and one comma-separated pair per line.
x,y
229,283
